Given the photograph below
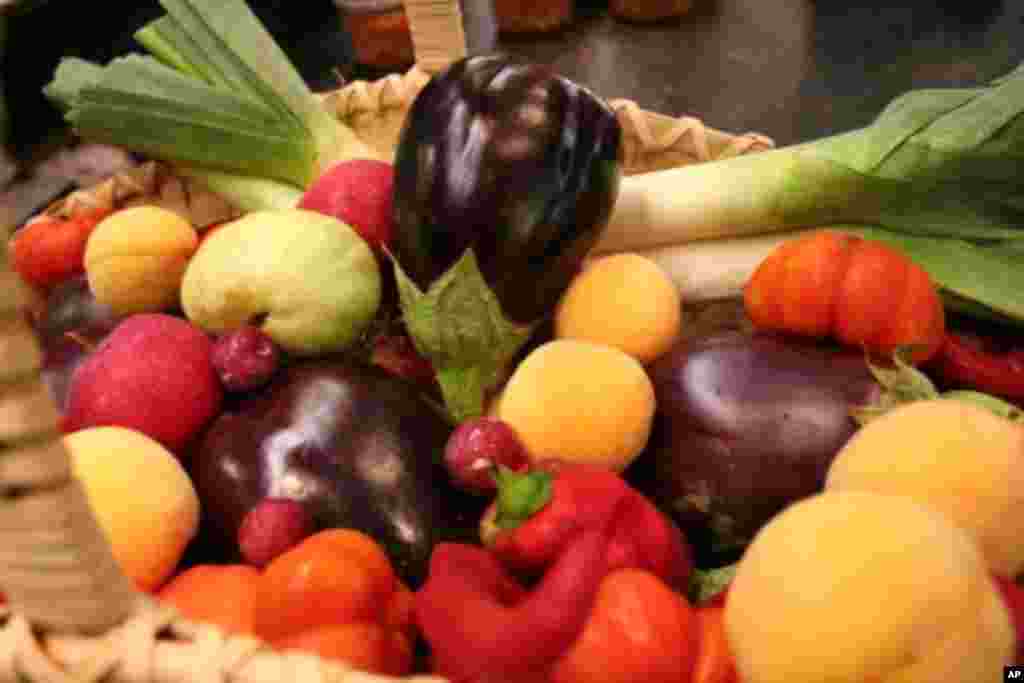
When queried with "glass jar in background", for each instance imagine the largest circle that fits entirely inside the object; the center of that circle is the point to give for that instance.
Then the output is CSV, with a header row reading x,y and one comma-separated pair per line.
x,y
532,16
379,30
649,10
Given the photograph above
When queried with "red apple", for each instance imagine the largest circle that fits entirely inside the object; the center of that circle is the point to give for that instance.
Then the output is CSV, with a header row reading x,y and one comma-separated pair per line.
x,y
154,374
358,192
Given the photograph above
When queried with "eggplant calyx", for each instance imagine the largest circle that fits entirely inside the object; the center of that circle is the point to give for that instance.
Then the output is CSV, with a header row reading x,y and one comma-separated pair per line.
x,y
520,495
458,324
904,383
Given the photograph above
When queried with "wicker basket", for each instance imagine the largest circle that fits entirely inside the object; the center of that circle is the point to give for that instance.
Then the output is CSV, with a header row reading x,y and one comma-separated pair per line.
x,y
74,616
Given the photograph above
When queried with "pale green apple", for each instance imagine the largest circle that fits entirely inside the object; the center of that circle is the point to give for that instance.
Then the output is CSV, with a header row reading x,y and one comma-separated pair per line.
x,y
308,280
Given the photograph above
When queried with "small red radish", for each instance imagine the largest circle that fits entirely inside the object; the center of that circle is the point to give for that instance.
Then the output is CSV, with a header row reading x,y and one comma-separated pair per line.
x,y
272,527
476,447
245,358
357,192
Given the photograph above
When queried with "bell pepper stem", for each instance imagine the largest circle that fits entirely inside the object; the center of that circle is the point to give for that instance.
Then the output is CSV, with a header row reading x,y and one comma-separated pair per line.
x,y
520,495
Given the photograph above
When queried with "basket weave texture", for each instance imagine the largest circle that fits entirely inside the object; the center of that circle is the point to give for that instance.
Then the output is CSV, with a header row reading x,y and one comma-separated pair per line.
x,y
74,617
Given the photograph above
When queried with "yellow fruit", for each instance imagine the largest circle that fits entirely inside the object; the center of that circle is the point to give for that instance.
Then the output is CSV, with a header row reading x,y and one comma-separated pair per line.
x,y
623,300
135,258
578,401
850,587
142,498
955,457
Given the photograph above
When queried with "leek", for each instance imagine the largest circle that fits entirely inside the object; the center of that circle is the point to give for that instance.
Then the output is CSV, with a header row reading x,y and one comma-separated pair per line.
x,y
936,174
713,269
217,96
940,162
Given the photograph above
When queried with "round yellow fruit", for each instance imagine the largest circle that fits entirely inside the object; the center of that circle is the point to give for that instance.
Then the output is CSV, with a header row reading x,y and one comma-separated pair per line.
x,y
623,300
849,587
953,456
142,498
135,259
582,402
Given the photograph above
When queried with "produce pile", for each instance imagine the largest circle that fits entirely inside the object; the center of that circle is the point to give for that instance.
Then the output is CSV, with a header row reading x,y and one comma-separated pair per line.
x,y
441,412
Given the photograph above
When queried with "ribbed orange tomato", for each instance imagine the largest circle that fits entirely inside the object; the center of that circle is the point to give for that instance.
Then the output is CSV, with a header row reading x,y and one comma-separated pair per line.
x,y
860,292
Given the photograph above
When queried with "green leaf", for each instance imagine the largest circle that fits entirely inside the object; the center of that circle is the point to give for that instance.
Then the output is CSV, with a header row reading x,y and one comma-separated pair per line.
x,y
458,324
166,40
168,115
901,383
705,584
991,403
71,77
235,44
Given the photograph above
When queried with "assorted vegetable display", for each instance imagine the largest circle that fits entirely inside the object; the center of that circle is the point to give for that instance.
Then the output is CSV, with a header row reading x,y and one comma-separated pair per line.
x,y
935,175
447,414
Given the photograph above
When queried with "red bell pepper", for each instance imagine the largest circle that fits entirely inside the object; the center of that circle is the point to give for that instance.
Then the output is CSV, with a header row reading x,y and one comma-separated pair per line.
x,y
484,626
1013,595
974,361
537,513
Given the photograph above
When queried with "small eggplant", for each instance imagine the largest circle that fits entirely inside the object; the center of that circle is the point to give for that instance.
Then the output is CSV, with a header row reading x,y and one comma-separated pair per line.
x,y
358,447
505,178
746,424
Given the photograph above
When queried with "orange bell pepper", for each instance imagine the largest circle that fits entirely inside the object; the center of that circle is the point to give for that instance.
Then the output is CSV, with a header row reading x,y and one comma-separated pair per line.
x,y
639,631
714,662
216,594
335,595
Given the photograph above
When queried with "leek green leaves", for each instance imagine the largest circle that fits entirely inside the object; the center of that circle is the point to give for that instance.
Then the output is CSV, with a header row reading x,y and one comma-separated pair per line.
x,y
217,93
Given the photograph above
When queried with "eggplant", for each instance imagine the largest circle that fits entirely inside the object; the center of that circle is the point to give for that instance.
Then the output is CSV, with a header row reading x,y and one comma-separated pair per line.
x,y
505,177
69,324
746,424
357,446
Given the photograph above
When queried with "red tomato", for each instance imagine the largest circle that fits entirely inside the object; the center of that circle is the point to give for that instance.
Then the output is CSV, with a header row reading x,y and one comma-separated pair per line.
x,y
49,249
860,292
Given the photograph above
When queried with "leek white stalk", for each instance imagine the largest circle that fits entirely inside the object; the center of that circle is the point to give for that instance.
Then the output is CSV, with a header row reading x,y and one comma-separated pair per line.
x,y
938,162
736,197
709,270
247,193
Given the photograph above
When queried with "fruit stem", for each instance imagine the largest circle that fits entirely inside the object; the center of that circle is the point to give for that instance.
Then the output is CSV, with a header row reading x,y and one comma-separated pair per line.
x,y
520,495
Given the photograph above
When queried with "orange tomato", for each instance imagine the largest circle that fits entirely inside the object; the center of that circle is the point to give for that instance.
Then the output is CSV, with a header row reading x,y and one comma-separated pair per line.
x,y
222,595
50,249
639,631
365,646
715,663
334,577
861,292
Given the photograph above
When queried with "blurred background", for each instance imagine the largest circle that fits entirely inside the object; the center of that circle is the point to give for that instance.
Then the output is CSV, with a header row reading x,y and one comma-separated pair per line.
x,y
791,69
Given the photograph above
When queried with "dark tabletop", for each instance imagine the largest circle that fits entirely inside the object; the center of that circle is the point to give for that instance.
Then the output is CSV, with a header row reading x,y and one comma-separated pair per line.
x,y
791,69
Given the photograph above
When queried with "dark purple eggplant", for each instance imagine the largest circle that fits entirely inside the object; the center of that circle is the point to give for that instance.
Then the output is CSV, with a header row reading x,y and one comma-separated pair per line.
x,y
70,324
746,424
516,168
359,447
